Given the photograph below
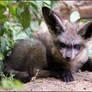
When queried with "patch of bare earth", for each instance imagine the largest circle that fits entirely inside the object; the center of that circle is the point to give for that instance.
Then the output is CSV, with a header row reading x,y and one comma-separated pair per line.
x,y
83,82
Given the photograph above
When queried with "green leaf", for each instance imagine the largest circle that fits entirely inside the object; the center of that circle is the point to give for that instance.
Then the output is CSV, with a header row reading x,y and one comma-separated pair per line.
x,y
34,10
2,9
5,84
84,20
8,83
19,35
1,29
1,56
18,11
25,16
38,17
28,32
12,11
35,26
39,4
3,19
34,5
36,14
18,83
4,3
47,3
74,16
3,44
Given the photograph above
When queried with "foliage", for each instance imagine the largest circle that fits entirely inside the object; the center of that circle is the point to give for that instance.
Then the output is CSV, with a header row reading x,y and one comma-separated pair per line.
x,y
18,18
9,82
83,20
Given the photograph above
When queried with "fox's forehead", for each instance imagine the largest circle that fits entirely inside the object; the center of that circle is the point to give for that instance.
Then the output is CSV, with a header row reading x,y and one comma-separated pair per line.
x,y
70,35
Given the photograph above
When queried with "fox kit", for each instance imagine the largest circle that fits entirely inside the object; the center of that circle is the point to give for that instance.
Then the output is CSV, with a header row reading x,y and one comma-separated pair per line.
x,y
42,59
56,53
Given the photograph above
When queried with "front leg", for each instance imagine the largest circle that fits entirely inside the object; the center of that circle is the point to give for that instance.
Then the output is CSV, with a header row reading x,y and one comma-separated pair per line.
x,y
62,67
62,71
66,75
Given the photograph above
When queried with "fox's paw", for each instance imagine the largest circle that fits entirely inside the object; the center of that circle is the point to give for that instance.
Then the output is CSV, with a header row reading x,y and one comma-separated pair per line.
x,y
67,76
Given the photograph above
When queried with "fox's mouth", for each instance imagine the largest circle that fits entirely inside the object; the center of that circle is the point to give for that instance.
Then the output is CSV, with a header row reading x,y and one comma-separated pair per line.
x,y
68,60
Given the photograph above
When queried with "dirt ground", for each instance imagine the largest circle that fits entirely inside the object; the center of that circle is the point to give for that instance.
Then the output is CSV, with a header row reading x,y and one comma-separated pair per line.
x,y
83,82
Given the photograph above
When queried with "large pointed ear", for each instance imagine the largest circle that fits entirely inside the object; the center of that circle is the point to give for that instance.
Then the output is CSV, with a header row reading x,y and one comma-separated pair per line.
x,y
52,20
86,30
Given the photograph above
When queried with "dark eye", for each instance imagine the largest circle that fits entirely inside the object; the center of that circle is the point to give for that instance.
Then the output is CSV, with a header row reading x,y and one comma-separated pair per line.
x,y
62,45
77,46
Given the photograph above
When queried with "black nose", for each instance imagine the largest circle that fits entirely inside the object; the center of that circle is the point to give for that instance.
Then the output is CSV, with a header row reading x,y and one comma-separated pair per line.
x,y
68,58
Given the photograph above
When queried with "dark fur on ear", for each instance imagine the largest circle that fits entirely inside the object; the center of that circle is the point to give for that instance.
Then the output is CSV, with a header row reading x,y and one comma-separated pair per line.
x,y
52,20
86,30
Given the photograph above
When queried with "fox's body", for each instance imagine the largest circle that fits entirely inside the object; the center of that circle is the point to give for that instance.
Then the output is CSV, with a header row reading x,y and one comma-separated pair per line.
x,y
57,52
41,59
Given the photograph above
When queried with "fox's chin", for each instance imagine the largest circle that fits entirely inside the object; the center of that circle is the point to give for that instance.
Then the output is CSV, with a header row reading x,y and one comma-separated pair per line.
x,y
70,60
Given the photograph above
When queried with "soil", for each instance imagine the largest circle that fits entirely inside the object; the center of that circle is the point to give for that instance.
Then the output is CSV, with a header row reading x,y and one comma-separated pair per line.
x,y
83,82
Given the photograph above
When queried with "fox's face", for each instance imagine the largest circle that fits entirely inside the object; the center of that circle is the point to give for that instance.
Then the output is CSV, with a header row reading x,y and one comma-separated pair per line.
x,y
68,38
69,44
